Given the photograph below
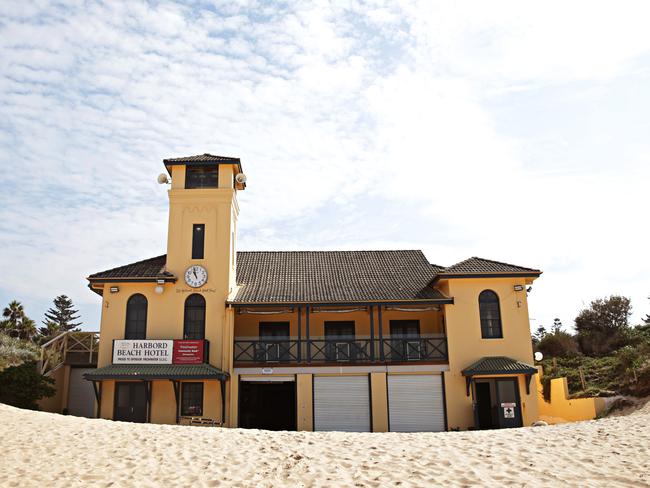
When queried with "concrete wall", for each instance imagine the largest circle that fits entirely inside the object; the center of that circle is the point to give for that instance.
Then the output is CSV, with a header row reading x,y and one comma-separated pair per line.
x,y
467,346
58,402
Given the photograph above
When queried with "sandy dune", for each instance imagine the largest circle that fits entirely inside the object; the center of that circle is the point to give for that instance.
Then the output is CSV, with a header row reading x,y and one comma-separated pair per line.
x,y
42,449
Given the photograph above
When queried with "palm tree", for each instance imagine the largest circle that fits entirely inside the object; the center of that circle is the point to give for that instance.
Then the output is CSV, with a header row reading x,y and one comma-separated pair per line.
x,y
14,315
27,329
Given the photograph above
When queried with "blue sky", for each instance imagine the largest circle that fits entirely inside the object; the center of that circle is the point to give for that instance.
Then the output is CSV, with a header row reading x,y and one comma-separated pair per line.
x,y
504,130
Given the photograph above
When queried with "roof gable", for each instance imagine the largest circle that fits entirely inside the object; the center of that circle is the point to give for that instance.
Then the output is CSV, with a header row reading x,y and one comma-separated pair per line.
x,y
202,158
482,267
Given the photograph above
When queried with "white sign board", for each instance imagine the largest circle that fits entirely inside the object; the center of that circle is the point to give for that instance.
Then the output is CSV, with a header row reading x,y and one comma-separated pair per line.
x,y
142,352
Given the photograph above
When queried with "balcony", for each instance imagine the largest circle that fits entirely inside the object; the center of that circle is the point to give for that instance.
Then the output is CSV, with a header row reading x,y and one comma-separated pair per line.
x,y
290,350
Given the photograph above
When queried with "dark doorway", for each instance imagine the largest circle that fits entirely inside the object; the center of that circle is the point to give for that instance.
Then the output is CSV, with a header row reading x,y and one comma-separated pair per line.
x,y
484,405
497,403
267,405
130,402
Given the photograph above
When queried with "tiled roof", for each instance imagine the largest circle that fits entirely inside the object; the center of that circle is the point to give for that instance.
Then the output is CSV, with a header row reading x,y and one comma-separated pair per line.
x,y
498,365
153,268
156,371
334,277
482,266
202,158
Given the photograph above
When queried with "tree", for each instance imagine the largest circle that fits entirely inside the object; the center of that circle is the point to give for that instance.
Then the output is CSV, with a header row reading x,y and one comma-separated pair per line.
x,y
16,323
539,334
60,318
557,326
646,320
603,326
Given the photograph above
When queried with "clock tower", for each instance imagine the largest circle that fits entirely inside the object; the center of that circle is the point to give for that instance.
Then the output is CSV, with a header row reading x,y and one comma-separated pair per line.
x,y
201,239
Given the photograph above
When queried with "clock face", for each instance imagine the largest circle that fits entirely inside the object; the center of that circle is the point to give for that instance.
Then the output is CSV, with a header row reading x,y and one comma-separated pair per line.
x,y
196,276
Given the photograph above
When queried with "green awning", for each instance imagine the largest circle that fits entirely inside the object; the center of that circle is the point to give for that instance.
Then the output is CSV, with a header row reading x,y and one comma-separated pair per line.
x,y
498,365
157,372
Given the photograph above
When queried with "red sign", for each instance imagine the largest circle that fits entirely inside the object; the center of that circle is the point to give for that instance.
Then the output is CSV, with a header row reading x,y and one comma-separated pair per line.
x,y
188,352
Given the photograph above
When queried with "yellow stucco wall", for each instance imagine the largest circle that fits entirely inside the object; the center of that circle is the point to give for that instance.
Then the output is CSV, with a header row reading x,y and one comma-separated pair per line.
x,y
304,402
561,409
467,346
218,210
379,402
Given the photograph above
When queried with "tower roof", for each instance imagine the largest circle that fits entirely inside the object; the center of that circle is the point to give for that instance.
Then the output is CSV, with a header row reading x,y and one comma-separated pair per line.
x,y
202,159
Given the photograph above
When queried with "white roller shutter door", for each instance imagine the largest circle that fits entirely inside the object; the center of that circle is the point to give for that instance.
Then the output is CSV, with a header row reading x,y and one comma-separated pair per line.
x,y
81,396
415,403
342,403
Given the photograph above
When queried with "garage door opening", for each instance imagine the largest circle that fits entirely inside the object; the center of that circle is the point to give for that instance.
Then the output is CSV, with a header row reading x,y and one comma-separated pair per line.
x,y
267,405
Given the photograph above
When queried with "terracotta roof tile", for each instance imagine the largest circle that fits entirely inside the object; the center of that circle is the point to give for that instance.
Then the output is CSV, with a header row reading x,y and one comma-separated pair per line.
x,y
334,276
476,265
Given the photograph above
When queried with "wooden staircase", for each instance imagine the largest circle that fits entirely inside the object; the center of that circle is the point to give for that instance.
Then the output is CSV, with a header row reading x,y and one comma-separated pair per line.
x,y
74,348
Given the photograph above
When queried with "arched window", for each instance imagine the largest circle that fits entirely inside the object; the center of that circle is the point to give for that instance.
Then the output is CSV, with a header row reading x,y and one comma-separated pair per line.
x,y
194,322
488,303
136,317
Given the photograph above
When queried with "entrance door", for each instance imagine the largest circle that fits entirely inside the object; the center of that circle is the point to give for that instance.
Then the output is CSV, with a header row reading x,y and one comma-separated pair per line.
x,y
131,402
497,403
267,405
485,407
508,404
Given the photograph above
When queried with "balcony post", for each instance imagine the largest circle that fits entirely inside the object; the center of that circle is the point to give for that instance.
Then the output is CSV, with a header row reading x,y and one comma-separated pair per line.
x,y
381,334
299,333
307,333
372,333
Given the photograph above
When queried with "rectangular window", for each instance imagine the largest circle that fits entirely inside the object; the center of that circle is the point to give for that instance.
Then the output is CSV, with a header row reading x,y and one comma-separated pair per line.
x,y
198,240
274,345
405,344
192,399
201,176
339,340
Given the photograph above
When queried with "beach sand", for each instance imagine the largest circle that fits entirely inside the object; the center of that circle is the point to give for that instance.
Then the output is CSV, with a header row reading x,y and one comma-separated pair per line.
x,y
45,450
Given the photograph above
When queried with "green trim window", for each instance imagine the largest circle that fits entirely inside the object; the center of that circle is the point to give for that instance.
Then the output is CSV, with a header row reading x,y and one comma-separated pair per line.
x,y
490,312
136,317
201,177
191,399
194,320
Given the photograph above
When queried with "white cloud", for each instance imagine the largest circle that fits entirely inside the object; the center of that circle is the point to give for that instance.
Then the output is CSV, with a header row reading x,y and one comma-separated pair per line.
x,y
344,115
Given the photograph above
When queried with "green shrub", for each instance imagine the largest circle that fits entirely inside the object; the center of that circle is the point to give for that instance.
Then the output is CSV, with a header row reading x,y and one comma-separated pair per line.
x,y
558,344
14,351
22,386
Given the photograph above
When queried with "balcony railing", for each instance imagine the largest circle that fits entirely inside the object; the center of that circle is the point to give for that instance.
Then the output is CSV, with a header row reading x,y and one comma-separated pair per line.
x,y
288,350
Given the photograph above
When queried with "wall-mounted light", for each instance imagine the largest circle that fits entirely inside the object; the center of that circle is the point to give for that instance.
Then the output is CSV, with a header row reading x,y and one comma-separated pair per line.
x,y
114,289
519,287
159,289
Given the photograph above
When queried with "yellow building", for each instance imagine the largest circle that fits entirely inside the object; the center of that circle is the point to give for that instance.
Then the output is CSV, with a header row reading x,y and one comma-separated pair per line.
x,y
325,340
